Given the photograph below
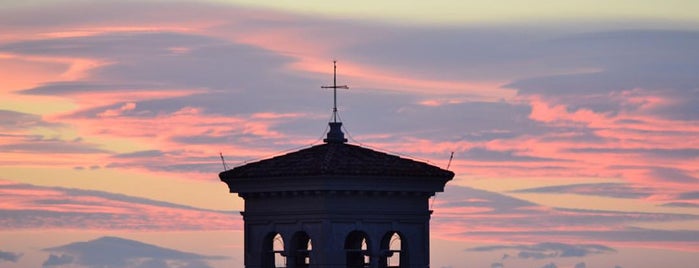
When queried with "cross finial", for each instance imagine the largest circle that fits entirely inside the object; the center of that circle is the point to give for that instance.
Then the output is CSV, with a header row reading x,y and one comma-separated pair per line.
x,y
335,134
335,87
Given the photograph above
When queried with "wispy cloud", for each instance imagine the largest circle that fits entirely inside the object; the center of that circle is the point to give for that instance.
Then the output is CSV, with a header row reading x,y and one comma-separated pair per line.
x,y
550,265
472,214
9,256
120,252
173,86
170,70
694,195
75,208
618,190
12,121
42,145
58,260
548,250
483,154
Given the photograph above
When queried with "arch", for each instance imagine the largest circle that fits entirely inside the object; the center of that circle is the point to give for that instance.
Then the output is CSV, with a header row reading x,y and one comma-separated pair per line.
x,y
301,248
273,254
393,250
357,250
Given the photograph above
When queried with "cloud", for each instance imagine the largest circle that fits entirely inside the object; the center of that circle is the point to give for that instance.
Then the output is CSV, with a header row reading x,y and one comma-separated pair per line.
x,y
627,234
158,160
211,165
119,252
59,16
617,190
592,63
143,60
477,132
205,54
487,52
40,207
483,154
603,87
186,81
470,121
113,44
58,260
679,153
68,88
9,256
253,73
13,120
129,106
549,250
580,265
672,175
550,265
468,213
465,197
38,144
224,91
681,205
694,195
194,91
141,154
622,68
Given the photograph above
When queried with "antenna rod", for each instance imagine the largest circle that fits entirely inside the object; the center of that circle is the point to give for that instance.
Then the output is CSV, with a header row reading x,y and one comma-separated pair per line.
x,y
223,161
450,158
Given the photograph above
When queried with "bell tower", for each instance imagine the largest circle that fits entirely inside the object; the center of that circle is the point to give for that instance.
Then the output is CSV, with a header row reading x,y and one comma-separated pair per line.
x,y
336,205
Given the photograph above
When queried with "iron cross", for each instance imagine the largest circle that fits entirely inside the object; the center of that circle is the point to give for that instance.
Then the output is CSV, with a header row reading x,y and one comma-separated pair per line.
x,y
335,87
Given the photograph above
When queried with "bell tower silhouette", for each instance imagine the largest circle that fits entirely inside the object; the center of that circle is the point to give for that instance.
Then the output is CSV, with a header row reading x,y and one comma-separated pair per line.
x,y
336,205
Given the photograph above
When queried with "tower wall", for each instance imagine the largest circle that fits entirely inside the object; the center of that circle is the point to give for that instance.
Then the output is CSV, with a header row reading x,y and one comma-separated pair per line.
x,y
357,207
329,217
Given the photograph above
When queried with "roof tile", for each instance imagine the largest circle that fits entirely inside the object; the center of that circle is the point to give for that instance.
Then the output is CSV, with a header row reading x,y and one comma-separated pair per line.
x,y
336,159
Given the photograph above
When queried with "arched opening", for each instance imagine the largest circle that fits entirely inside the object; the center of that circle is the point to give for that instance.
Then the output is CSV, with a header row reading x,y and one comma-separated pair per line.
x,y
393,251
273,255
358,251
301,249
278,248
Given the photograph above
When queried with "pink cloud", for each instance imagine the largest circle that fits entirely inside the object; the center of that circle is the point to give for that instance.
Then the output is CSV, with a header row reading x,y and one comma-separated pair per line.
x,y
468,214
129,106
268,115
558,113
72,68
38,207
630,144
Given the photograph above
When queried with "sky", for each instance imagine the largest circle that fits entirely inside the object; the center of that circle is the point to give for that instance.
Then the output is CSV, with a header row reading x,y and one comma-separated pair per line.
x,y
574,124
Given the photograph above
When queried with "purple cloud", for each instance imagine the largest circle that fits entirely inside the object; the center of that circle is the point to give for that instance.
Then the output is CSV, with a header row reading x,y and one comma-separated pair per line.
x,y
617,190
119,252
548,250
58,260
39,207
9,256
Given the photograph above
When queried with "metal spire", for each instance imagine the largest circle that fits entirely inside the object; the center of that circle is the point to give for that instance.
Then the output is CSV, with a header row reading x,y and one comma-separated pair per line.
x,y
335,134
335,87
